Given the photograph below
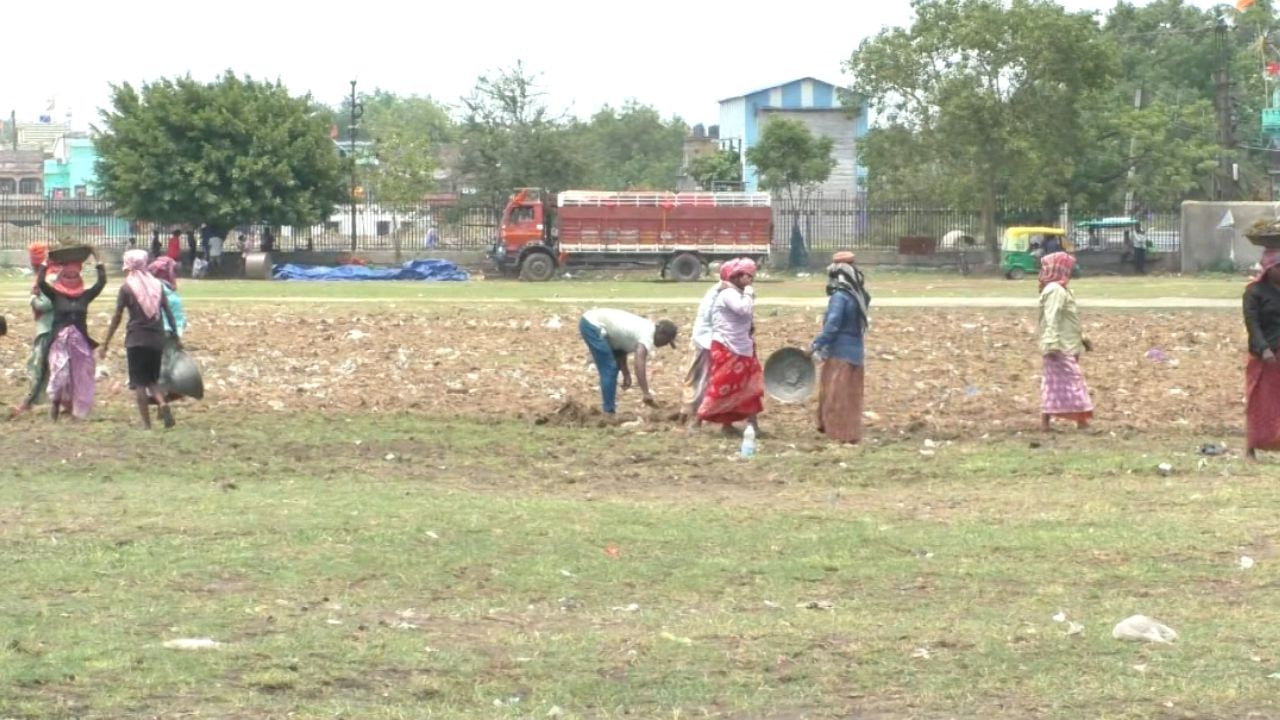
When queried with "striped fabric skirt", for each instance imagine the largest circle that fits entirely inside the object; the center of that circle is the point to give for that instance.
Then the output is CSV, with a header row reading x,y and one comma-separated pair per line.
x,y
1063,392
840,401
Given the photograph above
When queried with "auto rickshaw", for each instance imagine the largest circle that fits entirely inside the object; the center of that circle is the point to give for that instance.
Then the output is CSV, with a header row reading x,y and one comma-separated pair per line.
x,y
1109,233
1022,248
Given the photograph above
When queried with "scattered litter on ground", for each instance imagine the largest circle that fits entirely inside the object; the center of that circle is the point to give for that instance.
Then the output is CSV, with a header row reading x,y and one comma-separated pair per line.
x,y
1141,628
203,643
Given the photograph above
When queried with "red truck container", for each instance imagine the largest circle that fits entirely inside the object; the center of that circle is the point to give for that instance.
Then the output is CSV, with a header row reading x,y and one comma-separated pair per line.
x,y
679,232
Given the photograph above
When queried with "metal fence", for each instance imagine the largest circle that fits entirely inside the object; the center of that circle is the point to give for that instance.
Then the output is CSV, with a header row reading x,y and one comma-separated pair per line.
x,y
24,220
851,222
826,223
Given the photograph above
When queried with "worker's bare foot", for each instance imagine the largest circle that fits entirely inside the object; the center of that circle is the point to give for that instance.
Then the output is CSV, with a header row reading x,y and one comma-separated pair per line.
x,y
17,410
730,431
1251,455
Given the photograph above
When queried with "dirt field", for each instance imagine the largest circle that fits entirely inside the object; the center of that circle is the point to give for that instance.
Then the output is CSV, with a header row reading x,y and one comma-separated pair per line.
x,y
949,373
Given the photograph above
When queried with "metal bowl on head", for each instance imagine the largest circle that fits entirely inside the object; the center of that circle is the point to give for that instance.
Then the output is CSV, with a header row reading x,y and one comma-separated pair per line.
x,y
64,254
790,376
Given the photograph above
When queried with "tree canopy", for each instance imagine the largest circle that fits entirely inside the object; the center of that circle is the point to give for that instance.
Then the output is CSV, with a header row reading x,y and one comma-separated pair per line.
x,y
227,152
790,160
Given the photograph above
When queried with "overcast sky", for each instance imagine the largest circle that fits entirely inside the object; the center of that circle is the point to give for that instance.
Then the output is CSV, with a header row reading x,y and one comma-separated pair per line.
x,y
681,57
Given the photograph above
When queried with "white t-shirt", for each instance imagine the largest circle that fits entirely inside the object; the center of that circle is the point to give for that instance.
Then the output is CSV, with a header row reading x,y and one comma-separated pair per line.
x,y
215,246
623,330
702,328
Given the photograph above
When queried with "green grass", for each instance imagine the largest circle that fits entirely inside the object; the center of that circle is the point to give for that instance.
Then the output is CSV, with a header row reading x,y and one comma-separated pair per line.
x,y
408,567
634,287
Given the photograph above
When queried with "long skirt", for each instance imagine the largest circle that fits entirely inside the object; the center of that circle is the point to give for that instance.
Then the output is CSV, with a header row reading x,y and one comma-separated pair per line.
x,y
695,382
1262,405
38,368
840,401
1063,392
71,372
735,389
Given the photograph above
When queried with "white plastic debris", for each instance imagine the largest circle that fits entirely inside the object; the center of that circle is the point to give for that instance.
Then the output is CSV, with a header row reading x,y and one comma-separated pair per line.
x,y
1141,628
1074,628
1246,562
1165,469
1061,617
553,323
193,644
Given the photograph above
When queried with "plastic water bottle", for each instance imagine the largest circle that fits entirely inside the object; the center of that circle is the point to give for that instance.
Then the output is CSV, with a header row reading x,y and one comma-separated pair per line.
x,y
748,442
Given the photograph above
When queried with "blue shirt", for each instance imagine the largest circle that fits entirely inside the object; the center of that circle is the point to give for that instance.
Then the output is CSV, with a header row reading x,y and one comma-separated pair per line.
x,y
841,336
175,306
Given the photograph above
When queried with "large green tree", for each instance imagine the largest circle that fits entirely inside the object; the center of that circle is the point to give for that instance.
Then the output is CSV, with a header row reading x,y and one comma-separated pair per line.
x,y
632,148
983,99
408,133
227,152
509,138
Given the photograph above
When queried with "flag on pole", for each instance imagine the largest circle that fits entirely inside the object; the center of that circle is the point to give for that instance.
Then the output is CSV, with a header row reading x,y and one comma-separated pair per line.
x,y
1242,5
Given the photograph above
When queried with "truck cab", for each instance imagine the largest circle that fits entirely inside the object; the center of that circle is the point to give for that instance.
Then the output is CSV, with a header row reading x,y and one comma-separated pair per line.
x,y
525,238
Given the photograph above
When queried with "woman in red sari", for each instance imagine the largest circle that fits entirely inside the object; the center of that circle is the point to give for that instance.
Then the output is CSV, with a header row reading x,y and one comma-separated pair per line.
x,y
736,384
1262,374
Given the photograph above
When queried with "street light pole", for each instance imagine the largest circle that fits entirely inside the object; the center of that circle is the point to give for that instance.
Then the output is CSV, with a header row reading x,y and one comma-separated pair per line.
x,y
357,110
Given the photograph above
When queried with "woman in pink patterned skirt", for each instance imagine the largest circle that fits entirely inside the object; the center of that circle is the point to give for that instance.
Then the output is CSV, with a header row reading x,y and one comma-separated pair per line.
x,y
71,364
1063,392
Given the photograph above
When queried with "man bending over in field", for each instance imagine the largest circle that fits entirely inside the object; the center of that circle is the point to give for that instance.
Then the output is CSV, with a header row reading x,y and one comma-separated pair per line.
x,y
611,335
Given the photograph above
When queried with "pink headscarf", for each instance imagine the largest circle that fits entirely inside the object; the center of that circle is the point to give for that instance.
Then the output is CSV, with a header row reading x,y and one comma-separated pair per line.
x,y
1056,268
1270,258
165,270
732,268
146,289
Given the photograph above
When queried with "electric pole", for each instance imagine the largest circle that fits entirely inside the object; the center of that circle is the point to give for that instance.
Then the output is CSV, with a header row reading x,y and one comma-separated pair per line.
x,y
1133,158
357,110
1225,181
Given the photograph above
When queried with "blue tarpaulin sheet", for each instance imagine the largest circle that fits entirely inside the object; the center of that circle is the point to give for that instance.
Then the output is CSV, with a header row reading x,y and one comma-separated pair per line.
x,y
439,270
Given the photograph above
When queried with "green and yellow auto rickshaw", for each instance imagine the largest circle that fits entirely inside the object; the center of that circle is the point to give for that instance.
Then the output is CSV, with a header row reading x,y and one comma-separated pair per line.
x,y
1022,247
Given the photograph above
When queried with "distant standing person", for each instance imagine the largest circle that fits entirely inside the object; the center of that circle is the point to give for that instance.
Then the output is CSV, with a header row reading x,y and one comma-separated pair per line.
x,y
1063,392
215,253
174,251
143,296
268,240
611,335
193,249
206,239
71,365
156,247
840,347
1262,373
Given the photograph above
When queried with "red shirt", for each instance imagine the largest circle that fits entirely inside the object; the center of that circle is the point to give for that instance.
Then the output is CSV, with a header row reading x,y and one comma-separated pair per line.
x,y
175,248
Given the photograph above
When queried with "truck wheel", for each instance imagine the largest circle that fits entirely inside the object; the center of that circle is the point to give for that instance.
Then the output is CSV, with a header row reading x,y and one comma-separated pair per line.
x,y
537,267
686,267
1016,274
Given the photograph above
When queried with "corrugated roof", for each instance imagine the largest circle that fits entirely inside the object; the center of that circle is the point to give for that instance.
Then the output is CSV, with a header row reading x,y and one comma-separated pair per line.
x,y
771,87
